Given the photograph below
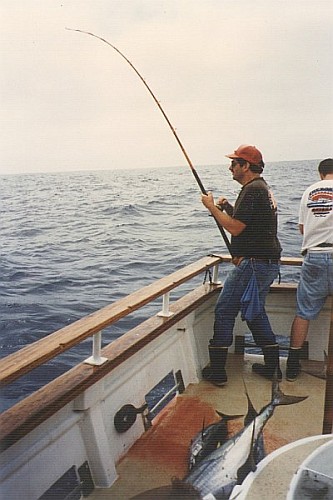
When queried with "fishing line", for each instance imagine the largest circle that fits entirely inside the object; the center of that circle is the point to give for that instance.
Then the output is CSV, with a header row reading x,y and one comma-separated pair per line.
x,y
194,172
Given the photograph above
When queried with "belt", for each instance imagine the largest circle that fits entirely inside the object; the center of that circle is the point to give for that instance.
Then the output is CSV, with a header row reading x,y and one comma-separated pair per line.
x,y
238,260
267,261
321,245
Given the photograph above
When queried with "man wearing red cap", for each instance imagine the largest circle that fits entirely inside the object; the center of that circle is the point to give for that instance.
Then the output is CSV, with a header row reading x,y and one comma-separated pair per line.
x,y
255,248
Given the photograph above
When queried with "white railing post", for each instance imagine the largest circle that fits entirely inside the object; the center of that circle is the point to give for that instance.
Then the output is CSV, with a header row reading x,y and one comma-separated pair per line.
x,y
216,281
165,313
96,358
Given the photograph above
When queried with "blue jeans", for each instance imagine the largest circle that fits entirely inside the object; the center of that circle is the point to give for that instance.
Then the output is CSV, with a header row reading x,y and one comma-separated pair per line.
x,y
315,285
228,304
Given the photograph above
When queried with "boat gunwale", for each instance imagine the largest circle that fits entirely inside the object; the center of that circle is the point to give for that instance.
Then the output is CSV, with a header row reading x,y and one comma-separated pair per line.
x,y
26,415
35,354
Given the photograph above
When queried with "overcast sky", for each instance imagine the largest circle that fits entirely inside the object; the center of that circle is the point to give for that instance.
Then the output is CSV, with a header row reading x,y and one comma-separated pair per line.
x,y
226,72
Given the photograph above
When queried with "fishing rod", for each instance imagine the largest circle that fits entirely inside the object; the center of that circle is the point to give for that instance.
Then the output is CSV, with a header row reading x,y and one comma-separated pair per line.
x,y
194,172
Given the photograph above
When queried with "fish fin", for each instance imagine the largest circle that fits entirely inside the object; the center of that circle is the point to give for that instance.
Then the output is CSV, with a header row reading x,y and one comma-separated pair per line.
x,y
251,411
279,398
203,427
228,417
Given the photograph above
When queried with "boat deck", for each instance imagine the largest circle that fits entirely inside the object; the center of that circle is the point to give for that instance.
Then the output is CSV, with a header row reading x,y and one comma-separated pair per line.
x,y
162,452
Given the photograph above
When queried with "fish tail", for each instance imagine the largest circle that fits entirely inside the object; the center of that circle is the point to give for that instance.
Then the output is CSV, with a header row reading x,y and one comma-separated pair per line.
x,y
279,398
226,418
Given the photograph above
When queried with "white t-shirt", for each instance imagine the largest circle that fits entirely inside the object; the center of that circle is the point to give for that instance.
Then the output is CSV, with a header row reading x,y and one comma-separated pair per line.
x,y
316,215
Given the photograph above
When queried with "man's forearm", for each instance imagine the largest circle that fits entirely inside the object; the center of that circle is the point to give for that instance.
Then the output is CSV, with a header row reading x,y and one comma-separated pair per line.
x,y
233,226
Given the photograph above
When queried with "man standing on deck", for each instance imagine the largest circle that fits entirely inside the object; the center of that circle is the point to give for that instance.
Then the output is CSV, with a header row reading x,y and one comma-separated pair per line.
x,y
316,282
252,223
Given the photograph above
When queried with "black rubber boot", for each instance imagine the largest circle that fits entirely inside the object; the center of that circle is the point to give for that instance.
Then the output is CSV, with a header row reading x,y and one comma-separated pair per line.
x,y
215,373
293,364
272,363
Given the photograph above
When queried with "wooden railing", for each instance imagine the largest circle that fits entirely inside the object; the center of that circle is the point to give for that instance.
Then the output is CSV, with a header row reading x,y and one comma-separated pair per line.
x,y
37,353
30,412
34,409
41,351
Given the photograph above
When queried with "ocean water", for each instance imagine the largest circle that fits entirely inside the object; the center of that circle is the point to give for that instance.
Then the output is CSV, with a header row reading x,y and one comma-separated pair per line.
x,y
72,243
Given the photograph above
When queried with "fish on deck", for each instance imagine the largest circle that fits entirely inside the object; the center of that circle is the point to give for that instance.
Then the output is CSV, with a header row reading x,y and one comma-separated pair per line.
x,y
209,438
216,475
228,465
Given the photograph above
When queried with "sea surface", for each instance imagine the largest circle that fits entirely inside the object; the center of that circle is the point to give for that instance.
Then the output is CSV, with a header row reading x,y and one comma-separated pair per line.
x,y
72,243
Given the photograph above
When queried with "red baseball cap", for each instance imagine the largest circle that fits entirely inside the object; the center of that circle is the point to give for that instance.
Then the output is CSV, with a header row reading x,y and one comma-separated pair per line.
x,y
247,153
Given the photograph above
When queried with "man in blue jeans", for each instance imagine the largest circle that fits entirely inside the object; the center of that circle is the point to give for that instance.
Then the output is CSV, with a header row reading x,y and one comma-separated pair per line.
x,y
316,282
252,223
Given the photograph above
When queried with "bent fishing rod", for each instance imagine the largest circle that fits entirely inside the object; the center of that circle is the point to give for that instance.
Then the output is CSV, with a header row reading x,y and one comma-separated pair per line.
x,y
194,172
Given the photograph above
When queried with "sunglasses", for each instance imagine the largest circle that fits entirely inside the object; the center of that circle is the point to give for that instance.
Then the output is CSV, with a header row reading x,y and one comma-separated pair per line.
x,y
239,162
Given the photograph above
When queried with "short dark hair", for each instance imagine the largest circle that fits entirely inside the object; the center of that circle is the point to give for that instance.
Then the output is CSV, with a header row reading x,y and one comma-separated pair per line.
x,y
257,169
326,167
254,168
